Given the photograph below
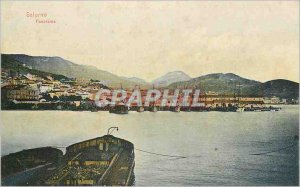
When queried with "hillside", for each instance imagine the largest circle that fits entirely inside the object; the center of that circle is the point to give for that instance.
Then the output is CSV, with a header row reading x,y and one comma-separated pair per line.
x,y
281,88
218,82
226,84
58,65
138,81
16,66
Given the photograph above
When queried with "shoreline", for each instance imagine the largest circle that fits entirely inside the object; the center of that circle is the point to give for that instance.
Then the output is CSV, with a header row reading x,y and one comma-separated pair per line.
x,y
266,108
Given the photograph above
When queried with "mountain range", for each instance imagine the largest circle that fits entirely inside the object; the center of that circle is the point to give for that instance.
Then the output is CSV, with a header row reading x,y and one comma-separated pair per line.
x,y
58,65
221,83
230,84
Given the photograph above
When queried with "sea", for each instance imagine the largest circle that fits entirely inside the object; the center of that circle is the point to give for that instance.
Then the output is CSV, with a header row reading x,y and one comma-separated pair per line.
x,y
176,148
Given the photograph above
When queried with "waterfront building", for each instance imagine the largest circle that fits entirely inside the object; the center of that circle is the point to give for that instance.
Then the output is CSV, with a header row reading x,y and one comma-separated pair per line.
x,y
21,92
215,100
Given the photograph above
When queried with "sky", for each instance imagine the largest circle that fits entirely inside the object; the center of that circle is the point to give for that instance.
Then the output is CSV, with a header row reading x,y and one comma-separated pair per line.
x,y
255,39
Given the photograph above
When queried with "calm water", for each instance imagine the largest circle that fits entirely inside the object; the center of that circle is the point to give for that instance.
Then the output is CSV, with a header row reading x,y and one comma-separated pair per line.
x,y
217,145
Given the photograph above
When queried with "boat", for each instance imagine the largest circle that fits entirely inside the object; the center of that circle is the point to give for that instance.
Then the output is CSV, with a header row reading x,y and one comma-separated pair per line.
x,y
141,109
94,110
185,109
102,161
204,109
119,108
176,109
240,109
274,109
153,109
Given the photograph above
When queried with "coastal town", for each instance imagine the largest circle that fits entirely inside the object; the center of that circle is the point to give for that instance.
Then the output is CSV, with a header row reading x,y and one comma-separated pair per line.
x,y
151,93
25,91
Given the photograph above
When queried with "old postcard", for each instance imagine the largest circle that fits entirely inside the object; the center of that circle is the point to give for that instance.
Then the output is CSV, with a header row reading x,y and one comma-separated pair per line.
x,y
150,93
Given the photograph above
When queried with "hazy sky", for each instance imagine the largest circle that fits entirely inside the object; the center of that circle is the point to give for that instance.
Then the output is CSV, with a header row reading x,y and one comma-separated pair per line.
x,y
257,40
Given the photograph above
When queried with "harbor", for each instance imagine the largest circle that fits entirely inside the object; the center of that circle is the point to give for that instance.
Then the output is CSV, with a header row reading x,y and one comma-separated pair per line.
x,y
218,147
152,93
204,103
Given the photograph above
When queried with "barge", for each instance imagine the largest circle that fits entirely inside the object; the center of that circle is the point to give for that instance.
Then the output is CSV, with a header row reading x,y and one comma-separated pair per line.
x,y
103,161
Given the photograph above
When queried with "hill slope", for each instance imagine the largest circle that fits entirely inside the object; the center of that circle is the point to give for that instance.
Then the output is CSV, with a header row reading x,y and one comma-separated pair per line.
x,y
281,88
227,83
218,82
138,81
16,66
58,65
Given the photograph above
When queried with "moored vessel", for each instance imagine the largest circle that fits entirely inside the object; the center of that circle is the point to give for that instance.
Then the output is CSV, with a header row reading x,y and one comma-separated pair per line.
x,y
240,109
119,108
105,161
141,109
176,109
